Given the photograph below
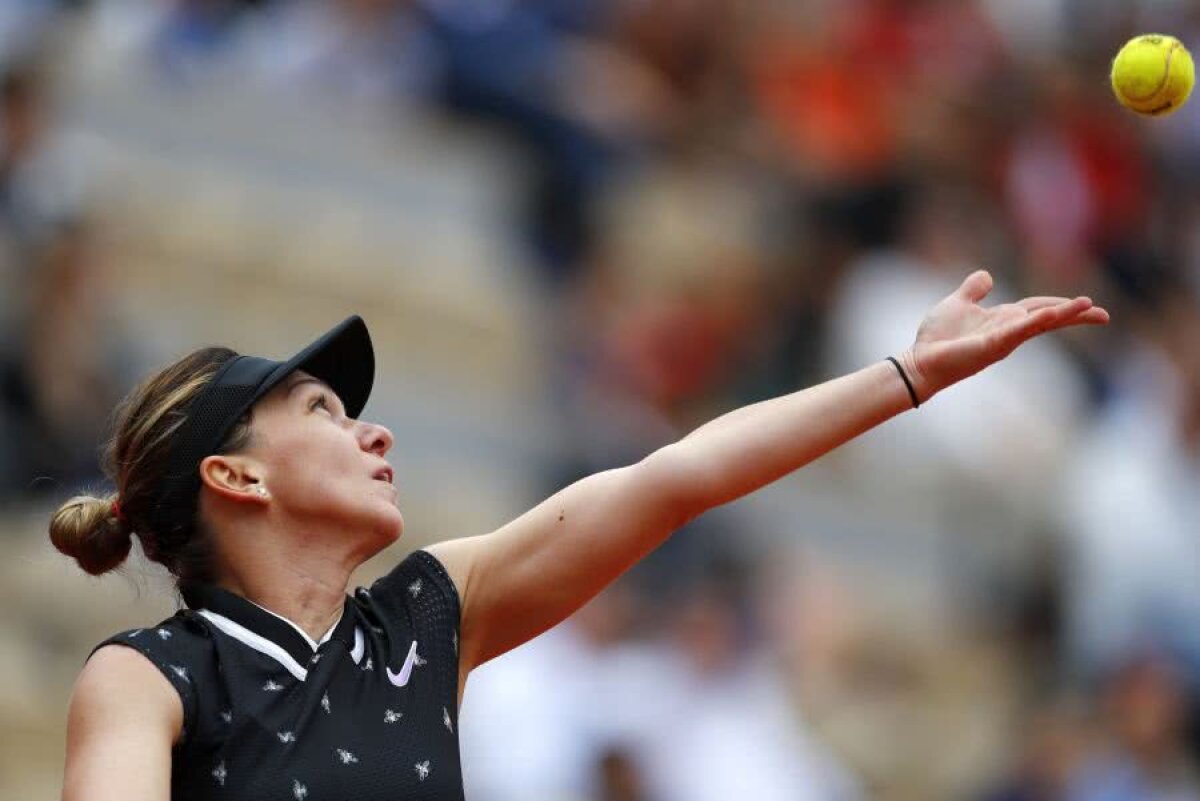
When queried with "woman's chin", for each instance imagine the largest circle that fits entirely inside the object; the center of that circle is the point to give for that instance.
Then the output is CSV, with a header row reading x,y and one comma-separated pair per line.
x,y
392,527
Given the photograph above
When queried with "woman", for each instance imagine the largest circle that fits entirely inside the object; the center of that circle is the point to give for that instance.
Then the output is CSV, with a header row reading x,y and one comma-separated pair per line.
x,y
253,482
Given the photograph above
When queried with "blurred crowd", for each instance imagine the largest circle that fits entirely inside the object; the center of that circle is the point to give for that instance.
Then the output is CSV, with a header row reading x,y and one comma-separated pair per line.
x,y
724,201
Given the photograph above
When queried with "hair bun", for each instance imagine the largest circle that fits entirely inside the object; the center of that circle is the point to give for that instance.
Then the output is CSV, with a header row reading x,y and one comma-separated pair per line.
x,y
87,529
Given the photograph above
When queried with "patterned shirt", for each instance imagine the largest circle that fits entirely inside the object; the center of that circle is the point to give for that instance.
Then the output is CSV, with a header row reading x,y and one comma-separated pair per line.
x,y
370,714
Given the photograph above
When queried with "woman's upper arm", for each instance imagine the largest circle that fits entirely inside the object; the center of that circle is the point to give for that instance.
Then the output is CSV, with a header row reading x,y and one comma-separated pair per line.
x,y
123,720
527,576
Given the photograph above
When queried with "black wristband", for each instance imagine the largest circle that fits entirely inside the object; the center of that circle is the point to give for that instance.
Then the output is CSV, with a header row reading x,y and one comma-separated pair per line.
x,y
912,393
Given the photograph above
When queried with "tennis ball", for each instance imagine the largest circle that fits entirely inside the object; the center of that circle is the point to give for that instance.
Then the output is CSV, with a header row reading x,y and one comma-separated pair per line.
x,y
1153,74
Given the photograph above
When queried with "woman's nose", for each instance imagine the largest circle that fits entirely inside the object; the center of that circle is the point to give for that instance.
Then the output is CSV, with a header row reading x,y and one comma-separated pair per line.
x,y
375,438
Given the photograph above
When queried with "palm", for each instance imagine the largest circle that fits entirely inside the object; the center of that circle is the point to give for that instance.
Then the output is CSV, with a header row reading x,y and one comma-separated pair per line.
x,y
958,337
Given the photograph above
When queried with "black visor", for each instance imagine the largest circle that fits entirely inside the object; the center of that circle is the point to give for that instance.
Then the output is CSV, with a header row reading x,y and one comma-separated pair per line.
x,y
342,357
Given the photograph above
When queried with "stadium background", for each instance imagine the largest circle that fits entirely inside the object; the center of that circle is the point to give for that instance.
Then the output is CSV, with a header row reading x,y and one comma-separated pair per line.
x,y
578,228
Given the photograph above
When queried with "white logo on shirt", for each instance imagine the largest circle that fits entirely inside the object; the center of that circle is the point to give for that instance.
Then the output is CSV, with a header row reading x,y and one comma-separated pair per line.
x,y
414,589
422,769
272,687
299,791
287,737
325,702
401,679
219,773
391,717
346,757
446,720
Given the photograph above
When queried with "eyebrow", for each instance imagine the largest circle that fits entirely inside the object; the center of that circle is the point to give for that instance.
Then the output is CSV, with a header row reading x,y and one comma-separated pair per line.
x,y
318,382
304,381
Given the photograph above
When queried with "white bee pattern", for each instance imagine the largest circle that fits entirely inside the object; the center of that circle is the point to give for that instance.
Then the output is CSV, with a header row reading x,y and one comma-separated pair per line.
x,y
414,589
446,720
227,715
316,658
219,773
346,757
272,687
422,769
287,737
163,634
418,661
299,791
135,633
325,703
181,672
391,717
368,665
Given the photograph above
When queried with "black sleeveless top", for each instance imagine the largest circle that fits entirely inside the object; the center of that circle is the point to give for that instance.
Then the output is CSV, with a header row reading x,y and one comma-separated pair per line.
x,y
370,715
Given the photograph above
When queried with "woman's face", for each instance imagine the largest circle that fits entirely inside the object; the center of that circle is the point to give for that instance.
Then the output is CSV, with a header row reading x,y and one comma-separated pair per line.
x,y
323,469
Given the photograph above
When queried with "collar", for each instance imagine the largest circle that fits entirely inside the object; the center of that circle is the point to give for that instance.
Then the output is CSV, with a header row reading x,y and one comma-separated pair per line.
x,y
312,644
265,631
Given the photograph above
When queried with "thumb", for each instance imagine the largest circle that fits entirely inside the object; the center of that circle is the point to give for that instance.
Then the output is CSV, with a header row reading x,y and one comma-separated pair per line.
x,y
976,286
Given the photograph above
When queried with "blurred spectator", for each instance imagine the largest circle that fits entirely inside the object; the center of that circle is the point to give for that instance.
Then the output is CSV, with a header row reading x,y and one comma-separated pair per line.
x,y
192,35
1053,745
1075,179
700,715
1145,759
360,54
1130,501
620,779
64,368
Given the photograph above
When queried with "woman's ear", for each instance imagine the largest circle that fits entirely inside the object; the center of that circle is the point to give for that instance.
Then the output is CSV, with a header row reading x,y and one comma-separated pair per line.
x,y
234,477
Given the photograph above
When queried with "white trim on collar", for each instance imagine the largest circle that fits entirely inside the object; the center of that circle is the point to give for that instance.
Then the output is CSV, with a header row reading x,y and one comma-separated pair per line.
x,y
276,652
256,641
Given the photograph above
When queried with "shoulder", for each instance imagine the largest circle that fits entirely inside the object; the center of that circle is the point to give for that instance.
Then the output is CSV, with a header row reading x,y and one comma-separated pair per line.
x,y
176,656
421,578
119,686
455,558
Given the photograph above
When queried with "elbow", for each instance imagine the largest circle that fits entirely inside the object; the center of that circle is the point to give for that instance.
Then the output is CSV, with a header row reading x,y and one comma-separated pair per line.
x,y
684,487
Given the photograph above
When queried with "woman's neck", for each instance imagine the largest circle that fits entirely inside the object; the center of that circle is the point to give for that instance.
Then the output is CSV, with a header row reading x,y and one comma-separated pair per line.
x,y
310,597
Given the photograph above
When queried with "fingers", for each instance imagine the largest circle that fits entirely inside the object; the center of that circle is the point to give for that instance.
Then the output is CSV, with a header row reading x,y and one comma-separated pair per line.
x,y
1093,316
976,286
1040,302
1077,311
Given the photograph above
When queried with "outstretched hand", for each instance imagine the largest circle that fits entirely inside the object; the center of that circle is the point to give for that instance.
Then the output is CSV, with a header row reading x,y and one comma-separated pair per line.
x,y
958,337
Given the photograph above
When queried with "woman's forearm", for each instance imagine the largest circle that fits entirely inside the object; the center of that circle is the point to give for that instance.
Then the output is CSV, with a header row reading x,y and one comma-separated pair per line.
x,y
755,445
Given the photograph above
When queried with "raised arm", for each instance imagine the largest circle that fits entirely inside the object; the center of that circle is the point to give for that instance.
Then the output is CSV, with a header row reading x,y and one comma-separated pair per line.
x,y
124,718
532,573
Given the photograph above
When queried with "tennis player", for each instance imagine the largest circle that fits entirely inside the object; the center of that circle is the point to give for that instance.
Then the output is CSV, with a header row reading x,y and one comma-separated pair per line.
x,y
257,486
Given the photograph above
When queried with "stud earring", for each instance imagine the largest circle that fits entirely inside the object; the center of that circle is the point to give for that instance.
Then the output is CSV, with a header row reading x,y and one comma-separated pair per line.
x,y
262,491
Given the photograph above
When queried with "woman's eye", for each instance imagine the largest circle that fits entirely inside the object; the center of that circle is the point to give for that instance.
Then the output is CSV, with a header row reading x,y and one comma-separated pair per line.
x,y
319,401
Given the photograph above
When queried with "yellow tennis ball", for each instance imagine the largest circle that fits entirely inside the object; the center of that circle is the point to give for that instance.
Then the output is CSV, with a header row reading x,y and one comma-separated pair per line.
x,y
1153,74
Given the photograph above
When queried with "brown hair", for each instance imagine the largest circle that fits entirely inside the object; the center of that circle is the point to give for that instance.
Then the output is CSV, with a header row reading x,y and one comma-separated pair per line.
x,y
92,530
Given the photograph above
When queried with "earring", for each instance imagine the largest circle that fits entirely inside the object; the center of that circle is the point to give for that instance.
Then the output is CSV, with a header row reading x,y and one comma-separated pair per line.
x,y
262,491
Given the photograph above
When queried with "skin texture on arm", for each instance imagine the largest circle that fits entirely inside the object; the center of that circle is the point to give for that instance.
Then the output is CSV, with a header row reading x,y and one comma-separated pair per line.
x,y
532,573
123,720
